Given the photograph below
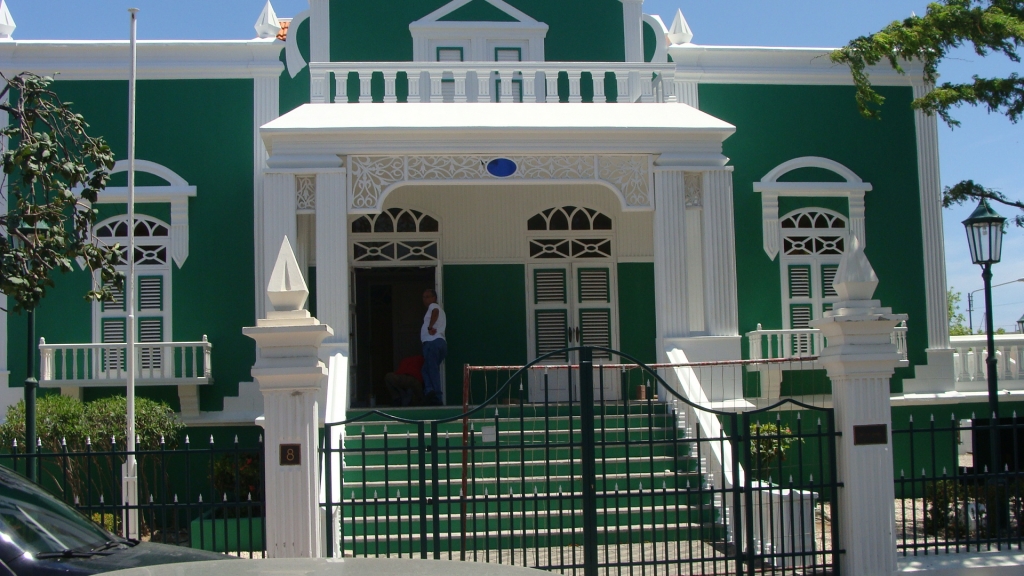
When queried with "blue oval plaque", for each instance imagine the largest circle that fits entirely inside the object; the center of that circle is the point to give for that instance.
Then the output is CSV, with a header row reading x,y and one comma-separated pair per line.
x,y
501,167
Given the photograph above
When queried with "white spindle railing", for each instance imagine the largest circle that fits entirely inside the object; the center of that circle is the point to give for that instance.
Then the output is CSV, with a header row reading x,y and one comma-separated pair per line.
x,y
806,342
157,363
475,81
971,354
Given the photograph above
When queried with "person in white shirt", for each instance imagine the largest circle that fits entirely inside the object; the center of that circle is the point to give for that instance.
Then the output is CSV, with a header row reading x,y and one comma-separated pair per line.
x,y
435,348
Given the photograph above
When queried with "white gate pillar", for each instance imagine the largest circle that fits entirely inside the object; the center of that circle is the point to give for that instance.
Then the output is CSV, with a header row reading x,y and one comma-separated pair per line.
x,y
860,359
290,376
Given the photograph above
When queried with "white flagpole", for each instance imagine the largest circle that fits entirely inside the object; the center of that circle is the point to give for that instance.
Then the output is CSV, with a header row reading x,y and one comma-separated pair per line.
x,y
130,495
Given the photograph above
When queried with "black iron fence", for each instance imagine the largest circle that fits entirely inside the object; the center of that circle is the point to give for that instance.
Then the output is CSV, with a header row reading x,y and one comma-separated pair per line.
x,y
209,496
961,487
563,468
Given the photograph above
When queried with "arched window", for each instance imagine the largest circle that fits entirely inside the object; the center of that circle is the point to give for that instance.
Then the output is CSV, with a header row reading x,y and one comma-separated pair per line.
x,y
569,232
813,241
153,296
395,235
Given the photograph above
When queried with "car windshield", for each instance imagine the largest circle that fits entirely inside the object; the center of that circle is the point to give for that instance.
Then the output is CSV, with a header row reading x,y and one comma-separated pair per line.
x,y
37,522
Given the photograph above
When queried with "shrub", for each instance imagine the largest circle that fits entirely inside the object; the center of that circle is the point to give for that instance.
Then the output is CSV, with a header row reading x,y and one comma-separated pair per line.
x,y
769,443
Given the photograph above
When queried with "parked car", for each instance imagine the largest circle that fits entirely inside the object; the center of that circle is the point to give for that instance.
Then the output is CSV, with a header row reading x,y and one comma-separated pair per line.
x,y
42,536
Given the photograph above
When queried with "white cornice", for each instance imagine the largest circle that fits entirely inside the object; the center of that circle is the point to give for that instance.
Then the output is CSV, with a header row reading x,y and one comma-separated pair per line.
x,y
769,65
158,60
340,129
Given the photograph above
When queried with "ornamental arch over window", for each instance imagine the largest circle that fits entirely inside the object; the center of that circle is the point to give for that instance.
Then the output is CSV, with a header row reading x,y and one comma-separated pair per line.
x,y
570,232
395,220
395,235
813,232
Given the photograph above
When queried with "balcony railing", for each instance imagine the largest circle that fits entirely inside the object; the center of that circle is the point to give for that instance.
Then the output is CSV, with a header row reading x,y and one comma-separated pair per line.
x,y
971,353
798,343
156,364
495,81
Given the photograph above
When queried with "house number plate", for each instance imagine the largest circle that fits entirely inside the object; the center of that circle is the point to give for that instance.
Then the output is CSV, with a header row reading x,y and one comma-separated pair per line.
x,y
870,434
291,454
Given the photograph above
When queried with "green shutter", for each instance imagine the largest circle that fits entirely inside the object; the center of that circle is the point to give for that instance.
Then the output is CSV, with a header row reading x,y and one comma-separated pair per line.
x,y
117,304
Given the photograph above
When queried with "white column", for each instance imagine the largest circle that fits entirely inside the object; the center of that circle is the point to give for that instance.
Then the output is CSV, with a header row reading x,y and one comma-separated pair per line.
x,y
266,105
670,294
721,314
860,360
632,27
332,253
931,224
319,31
278,222
687,93
290,376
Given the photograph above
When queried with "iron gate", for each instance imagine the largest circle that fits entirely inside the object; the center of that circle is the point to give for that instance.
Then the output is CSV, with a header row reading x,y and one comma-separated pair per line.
x,y
590,485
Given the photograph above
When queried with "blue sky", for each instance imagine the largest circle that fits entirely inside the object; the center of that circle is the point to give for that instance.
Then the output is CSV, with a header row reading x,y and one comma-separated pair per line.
x,y
986,148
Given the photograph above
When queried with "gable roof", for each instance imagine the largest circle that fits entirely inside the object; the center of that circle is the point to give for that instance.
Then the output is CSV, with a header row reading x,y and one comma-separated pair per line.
x,y
443,12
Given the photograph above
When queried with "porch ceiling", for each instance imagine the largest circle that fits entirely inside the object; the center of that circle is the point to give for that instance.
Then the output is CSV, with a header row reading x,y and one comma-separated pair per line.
x,y
482,128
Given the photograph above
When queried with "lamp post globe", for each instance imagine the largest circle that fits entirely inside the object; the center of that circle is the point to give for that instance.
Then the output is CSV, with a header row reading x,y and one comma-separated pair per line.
x,y
985,239
28,234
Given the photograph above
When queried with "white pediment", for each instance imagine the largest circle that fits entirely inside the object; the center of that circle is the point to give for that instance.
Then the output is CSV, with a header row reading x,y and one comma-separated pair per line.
x,y
478,39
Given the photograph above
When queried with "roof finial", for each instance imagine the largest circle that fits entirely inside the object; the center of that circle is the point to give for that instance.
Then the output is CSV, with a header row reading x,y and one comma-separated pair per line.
x,y
680,32
267,25
287,290
855,279
7,24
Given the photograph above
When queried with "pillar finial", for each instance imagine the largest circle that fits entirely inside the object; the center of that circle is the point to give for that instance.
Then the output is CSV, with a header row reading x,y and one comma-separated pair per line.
x,y
287,290
680,32
7,24
267,25
855,279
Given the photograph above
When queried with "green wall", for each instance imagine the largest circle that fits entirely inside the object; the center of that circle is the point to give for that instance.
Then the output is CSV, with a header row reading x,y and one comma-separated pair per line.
x,y
201,129
779,123
294,92
638,330
485,306
389,39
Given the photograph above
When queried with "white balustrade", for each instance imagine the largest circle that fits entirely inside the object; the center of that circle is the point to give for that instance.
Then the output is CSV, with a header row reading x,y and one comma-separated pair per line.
x,y
971,355
157,364
807,342
478,81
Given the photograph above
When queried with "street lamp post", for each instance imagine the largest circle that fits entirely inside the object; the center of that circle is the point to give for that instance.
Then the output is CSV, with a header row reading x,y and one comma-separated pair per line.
x,y
29,234
970,301
985,237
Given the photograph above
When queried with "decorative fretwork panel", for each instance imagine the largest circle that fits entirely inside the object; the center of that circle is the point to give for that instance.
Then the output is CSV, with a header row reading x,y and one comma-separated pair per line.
x,y
411,251
372,176
569,218
305,194
813,245
813,219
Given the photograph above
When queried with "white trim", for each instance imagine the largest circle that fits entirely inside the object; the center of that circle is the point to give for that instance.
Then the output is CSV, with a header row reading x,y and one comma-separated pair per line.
x,y
475,37
319,30
294,62
158,60
771,190
661,40
176,193
771,65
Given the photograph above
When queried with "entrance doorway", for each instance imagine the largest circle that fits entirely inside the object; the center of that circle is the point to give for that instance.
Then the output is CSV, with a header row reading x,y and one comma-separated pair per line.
x,y
388,315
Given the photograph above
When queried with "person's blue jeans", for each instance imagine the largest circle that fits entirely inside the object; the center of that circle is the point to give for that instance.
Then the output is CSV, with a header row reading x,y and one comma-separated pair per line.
x,y
434,352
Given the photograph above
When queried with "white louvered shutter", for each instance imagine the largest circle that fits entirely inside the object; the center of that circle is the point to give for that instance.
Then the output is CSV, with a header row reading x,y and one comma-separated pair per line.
x,y
509,55
800,316
151,293
112,359
448,84
828,274
595,322
551,314
799,282
150,330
